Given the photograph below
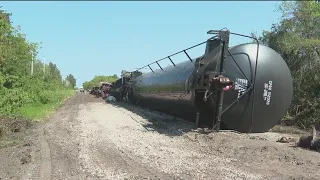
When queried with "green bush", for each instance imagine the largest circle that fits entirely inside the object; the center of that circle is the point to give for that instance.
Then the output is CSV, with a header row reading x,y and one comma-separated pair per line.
x,y
23,93
297,38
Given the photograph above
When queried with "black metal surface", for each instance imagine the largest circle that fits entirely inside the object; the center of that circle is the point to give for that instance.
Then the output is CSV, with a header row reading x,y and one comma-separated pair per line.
x,y
224,36
271,67
115,92
118,89
175,89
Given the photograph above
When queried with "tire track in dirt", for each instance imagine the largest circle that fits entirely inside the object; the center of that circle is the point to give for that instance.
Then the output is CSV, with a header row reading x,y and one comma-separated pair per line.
x,y
41,168
101,157
45,167
63,138
55,156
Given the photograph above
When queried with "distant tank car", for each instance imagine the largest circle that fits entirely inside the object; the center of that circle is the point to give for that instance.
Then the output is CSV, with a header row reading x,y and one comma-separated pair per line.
x,y
95,91
119,89
105,89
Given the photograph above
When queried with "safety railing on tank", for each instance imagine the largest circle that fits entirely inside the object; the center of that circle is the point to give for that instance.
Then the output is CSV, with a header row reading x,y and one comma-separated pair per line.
x,y
169,58
183,51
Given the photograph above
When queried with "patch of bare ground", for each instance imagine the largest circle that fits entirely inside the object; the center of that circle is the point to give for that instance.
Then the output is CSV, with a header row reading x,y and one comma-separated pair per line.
x,y
11,129
15,149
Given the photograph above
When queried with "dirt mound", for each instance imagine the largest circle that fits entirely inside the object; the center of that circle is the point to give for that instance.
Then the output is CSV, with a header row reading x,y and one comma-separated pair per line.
x,y
10,125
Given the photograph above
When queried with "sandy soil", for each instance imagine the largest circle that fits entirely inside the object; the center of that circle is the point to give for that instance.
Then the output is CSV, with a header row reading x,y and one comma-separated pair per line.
x,y
89,139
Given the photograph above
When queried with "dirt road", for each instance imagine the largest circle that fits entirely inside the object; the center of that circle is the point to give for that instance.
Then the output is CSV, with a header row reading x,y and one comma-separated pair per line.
x,y
89,139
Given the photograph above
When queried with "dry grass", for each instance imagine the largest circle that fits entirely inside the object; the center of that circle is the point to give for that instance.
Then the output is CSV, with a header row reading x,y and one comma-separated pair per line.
x,y
288,130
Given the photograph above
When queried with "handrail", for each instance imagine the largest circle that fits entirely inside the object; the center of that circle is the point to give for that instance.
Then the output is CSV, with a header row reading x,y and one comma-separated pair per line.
x,y
169,57
148,65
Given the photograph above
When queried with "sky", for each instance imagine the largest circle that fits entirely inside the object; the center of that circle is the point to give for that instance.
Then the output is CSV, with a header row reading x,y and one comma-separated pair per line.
x,y
104,37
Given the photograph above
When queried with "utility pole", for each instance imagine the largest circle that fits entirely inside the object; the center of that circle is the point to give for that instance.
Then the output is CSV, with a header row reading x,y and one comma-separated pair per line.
x,y
32,67
44,66
62,79
32,63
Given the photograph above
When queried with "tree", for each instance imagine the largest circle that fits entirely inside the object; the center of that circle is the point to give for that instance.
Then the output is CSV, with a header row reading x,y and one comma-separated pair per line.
x,y
54,72
297,38
125,73
18,87
136,73
72,80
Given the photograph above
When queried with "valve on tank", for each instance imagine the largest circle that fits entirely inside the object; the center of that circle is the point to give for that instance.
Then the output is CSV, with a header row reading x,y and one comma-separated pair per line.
x,y
218,83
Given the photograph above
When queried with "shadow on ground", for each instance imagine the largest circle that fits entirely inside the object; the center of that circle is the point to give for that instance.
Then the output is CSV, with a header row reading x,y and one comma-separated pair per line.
x,y
160,122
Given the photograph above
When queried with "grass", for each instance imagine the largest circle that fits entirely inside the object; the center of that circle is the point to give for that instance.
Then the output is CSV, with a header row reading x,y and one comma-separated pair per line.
x,y
287,130
41,111
37,112
29,113
8,143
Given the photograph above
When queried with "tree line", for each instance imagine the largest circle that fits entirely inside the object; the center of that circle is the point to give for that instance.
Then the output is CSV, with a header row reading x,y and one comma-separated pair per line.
x,y
24,79
97,79
297,38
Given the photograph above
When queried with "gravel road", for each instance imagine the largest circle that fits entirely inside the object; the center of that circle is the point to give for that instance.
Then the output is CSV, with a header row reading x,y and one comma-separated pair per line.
x,y
89,139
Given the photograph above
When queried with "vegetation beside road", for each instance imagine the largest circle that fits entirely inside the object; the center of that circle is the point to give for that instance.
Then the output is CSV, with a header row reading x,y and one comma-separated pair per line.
x,y
97,79
27,92
38,110
297,38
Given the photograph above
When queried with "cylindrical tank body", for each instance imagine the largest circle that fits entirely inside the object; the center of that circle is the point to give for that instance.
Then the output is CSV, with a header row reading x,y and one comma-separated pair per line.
x,y
166,90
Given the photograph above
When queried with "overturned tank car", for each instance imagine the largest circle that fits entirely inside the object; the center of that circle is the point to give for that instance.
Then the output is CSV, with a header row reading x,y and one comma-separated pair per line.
x,y
120,89
246,88
94,90
105,89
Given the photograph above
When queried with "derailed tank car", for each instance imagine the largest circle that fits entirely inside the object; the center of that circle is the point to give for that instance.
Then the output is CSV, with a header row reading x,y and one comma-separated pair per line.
x,y
94,90
119,89
105,89
247,88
